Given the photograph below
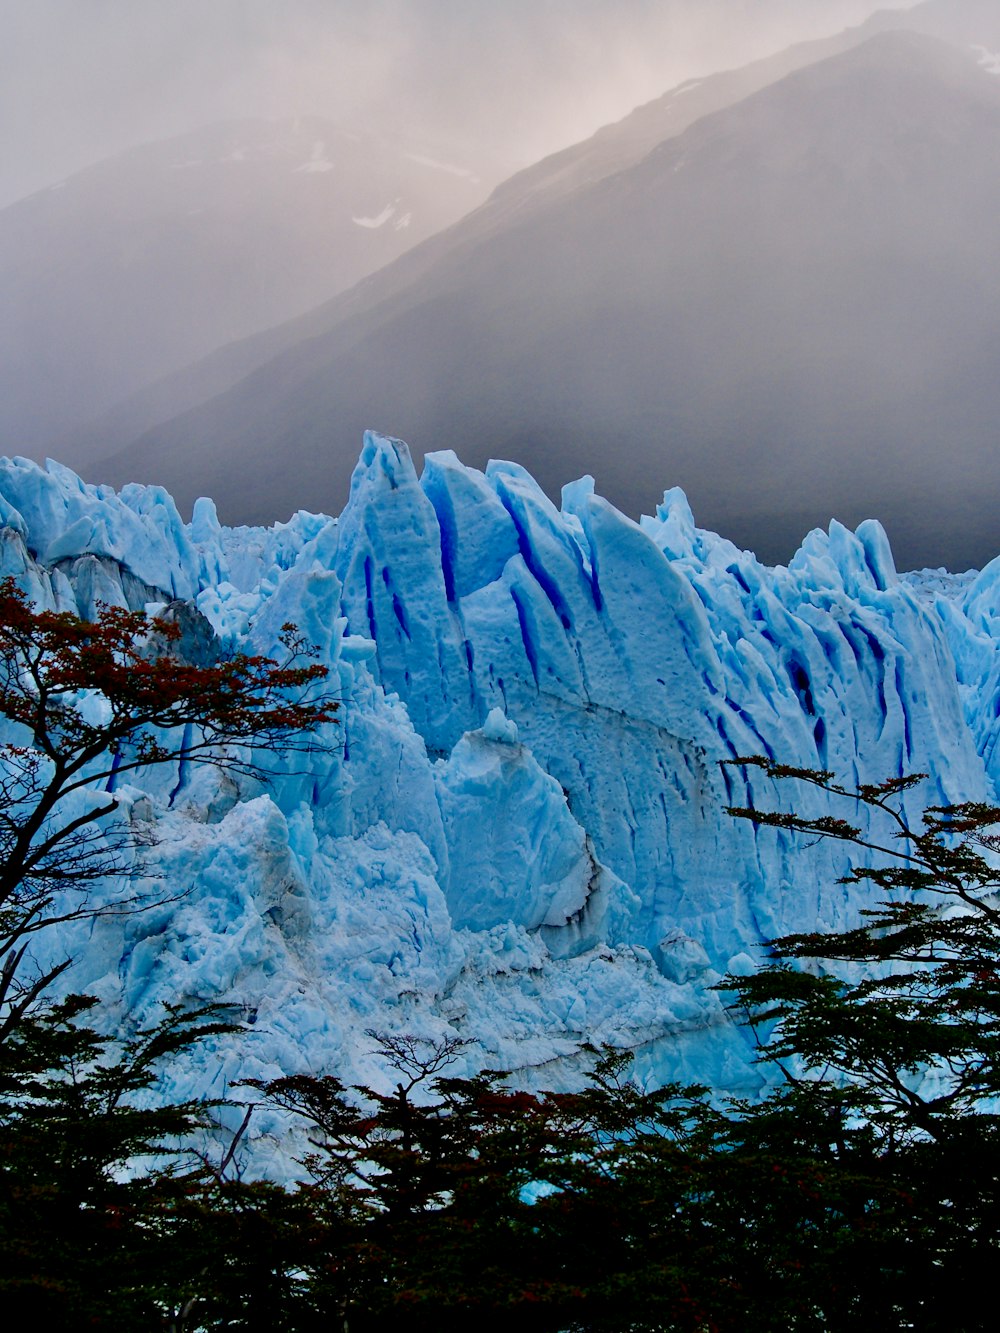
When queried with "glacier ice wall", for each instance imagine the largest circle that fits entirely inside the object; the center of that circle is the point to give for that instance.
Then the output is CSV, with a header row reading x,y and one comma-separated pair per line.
x,y
518,834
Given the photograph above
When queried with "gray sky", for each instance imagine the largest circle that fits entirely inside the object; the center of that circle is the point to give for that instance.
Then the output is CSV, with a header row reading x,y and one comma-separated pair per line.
x,y
80,79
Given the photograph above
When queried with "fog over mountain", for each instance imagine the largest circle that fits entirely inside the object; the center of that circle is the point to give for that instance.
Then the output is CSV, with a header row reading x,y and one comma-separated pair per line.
x,y
155,257
82,81
350,133
789,306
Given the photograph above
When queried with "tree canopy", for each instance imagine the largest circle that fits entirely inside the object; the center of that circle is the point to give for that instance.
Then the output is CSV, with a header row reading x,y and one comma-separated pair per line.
x,y
86,702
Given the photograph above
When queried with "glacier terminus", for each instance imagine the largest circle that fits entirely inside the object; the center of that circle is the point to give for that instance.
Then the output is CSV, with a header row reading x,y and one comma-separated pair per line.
x,y
516,833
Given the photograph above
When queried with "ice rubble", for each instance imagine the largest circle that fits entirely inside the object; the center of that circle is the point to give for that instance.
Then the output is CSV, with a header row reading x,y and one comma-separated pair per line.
x,y
520,835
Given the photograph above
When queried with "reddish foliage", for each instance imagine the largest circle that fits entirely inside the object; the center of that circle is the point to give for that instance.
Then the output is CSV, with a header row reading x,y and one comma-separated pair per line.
x,y
96,699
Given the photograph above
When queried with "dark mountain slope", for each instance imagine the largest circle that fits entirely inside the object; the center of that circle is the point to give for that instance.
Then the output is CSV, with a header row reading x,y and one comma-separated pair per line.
x,y
615,147
133,268
791,310
610,150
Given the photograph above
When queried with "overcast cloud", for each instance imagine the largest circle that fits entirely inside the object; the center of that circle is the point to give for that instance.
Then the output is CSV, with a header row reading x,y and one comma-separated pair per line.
x,y
514,79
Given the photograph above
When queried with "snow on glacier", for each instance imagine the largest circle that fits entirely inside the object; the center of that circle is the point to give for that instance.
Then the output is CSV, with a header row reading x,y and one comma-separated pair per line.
x,y
516,831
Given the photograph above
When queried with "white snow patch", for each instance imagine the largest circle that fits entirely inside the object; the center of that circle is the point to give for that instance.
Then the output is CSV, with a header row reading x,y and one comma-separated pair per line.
x,y
688,87
989,60
318,160
237,155
379,220
449,167
403,221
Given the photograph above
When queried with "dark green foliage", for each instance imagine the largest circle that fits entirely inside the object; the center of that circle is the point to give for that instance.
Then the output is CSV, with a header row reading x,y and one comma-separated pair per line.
x,y
109,1217
609,1208
861,1194
112,1213
88,1167
478,1202
893,1052
915,1034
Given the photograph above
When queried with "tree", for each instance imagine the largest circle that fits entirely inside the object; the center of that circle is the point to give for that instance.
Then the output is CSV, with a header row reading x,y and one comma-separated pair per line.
x,y
890,1056
426,1185
109,1209
89,701
917,1036
95,1180
460,1200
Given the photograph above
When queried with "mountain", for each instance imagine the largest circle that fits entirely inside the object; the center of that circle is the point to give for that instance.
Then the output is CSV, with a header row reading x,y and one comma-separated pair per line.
x,y
518,835
145,262
609,151
968,23
788,307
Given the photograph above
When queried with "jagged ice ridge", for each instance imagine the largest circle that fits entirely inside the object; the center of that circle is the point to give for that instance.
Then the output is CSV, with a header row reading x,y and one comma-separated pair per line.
x,y
518,835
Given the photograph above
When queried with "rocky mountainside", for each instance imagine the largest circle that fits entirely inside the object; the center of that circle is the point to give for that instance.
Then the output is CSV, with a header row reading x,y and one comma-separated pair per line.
x,y
146,262
789,309
973,25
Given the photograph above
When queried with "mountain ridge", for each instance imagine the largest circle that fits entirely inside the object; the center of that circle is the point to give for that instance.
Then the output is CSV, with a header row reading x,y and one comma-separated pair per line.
x,y
393,364
198,381
141,262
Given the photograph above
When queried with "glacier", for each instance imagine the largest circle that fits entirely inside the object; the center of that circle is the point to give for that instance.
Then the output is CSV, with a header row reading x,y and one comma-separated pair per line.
x,y
516,832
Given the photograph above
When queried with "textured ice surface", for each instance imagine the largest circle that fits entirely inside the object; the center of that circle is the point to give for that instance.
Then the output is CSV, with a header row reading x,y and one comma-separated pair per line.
x,y
520,834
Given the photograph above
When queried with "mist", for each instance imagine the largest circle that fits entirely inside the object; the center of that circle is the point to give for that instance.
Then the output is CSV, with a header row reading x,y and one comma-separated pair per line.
x,y
502,83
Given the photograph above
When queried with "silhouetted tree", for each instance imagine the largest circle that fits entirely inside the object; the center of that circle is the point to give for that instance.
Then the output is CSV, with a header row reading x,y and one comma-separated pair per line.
x,y
890,1062
89,701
